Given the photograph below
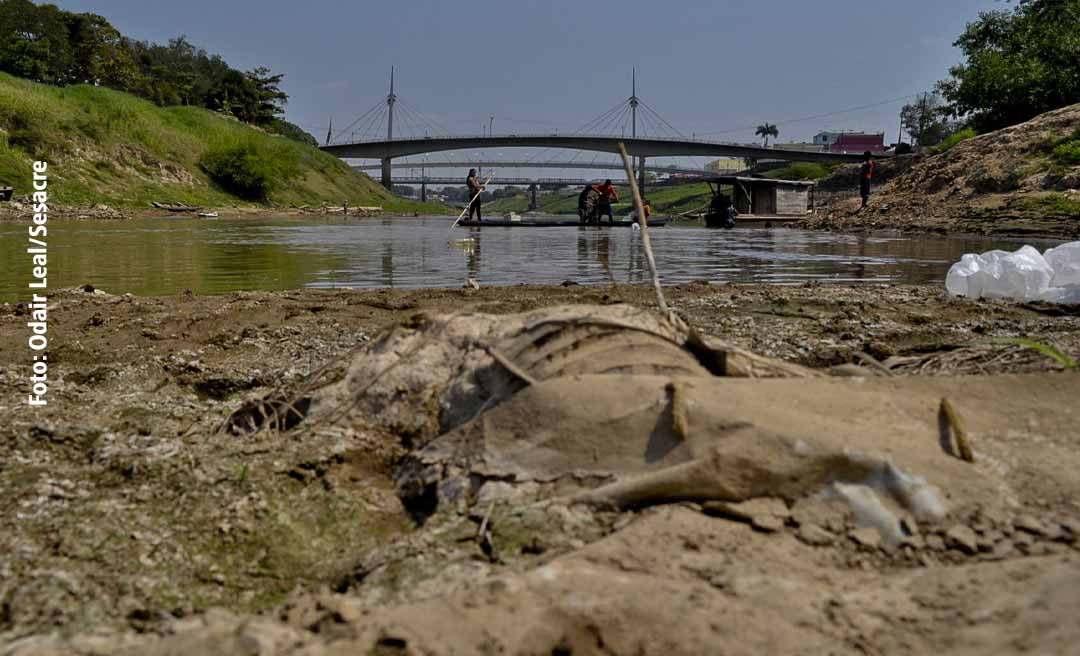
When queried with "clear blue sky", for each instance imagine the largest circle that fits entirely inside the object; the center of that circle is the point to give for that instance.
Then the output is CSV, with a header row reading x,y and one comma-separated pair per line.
x,y
707,66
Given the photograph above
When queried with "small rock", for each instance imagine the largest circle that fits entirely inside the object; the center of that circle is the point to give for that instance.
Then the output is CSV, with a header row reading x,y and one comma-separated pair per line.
x,y
935,543
1030,524
963,538
916,542
865,537
814,535
1001,550
1072,530
746,511
767,523
995,517
623,521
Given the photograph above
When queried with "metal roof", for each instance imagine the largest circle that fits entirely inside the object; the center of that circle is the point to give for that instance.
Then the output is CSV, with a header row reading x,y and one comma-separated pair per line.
x,y
761,181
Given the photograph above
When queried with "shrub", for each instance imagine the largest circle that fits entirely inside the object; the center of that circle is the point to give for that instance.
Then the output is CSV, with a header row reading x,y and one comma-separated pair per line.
x,y
952,140
801,171
1053,205
250,169
1068,153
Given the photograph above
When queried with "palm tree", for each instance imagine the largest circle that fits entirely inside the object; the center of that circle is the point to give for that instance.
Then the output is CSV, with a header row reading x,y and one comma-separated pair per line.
x,y
765,131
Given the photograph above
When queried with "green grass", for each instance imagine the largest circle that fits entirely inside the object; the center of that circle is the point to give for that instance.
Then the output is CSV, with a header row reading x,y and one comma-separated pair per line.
x,y
665,200
106,146
1053,204
952,140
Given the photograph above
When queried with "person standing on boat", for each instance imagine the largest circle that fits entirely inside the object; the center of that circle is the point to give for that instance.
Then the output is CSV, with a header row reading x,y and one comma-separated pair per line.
x,y
474,194
608,194
866,174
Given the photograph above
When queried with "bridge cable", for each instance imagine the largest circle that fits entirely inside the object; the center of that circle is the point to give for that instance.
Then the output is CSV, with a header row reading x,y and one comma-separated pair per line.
x,y
420,121
363,116
649,109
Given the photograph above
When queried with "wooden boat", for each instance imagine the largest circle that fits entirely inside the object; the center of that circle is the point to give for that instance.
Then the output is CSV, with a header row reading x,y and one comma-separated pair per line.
x,y
175,207
556,223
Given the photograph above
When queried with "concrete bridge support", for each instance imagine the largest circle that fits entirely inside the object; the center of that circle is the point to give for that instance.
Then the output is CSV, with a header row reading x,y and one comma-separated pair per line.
x,y
423,192
532,198
386,170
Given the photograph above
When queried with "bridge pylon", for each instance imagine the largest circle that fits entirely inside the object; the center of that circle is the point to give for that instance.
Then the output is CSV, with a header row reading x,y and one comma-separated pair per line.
x,y
390,100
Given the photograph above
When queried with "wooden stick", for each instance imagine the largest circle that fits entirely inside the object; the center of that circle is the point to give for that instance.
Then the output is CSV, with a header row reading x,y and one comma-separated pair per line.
x,y
454,224
958,431
640,208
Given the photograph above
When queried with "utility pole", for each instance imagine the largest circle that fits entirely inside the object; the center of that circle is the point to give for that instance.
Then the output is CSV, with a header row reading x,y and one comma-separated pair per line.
x,y
390,100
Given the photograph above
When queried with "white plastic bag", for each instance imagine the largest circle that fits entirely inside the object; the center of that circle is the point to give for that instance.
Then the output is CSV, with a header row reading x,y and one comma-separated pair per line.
x,y
1065,261
1021,275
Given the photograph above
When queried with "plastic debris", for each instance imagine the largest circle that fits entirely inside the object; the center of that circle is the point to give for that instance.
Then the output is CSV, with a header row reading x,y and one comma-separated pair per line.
x,y
1023,275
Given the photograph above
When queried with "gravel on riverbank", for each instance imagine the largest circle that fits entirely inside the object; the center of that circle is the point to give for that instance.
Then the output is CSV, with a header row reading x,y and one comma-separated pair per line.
x,y
129,511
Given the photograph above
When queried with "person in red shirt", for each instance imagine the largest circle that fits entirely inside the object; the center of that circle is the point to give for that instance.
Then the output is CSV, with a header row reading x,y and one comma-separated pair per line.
x,y
607,196
866,175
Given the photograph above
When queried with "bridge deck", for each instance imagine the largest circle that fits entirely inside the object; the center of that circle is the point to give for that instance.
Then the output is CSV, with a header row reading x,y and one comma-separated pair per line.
x,y
638,147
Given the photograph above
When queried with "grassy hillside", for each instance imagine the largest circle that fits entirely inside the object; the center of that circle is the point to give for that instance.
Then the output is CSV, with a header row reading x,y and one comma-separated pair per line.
x,y
665,200
105,146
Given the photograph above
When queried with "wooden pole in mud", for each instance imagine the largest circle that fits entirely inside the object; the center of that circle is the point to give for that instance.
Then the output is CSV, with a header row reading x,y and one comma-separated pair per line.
x,y
454,224
640,209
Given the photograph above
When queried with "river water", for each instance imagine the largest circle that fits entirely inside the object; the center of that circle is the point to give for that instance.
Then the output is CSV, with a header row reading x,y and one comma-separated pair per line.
x,y
170,255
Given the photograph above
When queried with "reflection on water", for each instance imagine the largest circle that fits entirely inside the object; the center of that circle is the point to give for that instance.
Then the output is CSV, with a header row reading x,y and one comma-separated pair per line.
x,y
166,256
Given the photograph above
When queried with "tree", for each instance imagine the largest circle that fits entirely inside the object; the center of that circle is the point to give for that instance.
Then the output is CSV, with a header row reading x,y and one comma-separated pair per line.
x,y
1018,64
765,131
34,41
925,120
269,98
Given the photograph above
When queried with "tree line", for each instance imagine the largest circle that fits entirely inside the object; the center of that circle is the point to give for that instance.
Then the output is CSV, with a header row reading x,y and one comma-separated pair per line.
x,y
1018,63
47,44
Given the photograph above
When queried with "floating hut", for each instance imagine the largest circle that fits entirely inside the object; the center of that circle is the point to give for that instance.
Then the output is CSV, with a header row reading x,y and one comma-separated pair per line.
x,y
764,200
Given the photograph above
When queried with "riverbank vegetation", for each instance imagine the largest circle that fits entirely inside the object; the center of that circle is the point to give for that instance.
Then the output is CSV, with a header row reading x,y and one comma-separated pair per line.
x,y
46,44
107,146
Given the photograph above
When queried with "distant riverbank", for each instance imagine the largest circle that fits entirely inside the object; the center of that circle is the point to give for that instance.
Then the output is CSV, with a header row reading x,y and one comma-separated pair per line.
x,y
109,148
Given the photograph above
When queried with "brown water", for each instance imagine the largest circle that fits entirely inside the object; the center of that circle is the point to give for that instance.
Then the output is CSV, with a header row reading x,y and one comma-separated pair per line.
x,y
170,255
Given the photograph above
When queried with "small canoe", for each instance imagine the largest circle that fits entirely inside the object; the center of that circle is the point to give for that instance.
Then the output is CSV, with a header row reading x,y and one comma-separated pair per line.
x,y
175,207
539,223
208,215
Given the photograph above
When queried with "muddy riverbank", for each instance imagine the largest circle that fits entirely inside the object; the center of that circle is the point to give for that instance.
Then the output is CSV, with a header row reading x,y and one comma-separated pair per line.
x,y
129,511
